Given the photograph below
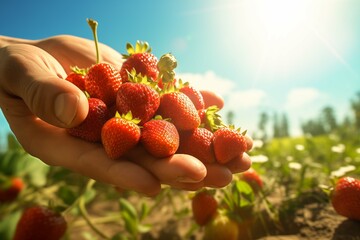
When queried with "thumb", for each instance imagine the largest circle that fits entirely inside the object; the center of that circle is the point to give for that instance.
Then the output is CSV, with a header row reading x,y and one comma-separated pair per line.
x,y
40,83
55,101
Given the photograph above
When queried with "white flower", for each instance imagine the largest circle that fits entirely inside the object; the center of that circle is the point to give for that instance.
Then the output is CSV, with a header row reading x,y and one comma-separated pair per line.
x,y
295,165
258,143
259,158
340,148
299,147
343,170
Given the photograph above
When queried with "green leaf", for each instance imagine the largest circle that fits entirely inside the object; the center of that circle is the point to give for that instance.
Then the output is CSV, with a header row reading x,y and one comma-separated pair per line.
x,y
8,225
67,195
144,211
127,207
130,223
36,171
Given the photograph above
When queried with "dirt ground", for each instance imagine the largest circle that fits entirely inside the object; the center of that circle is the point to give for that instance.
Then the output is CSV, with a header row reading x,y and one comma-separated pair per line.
x,y
308,218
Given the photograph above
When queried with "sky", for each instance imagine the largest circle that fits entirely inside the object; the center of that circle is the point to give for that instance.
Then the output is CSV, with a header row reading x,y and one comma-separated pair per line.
x,y
279,56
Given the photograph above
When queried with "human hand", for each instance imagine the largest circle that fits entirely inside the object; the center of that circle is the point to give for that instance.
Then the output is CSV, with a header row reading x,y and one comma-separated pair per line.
x,y
38,104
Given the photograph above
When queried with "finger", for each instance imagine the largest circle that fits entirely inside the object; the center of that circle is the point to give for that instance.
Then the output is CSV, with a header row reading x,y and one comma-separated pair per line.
x,y
211,98
177,168
55,147
41,85
218,176
239,164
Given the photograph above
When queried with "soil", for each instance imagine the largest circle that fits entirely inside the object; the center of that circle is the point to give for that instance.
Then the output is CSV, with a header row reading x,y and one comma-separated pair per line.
x,y
309,217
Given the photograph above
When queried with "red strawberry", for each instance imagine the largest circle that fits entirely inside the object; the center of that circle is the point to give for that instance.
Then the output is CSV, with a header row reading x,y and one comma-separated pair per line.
x,y
198,143
222,227
10,189
103,81
228,143
90,128
160,138
204,207
252,178
179,108
194,95
77,77
141,59
138,97
40,223
119,135
345,197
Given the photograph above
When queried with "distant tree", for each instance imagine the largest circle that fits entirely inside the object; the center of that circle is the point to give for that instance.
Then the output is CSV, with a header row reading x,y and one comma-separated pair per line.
x,y
263,122
329,119
313,127
355,105
230,117
284,126
276,126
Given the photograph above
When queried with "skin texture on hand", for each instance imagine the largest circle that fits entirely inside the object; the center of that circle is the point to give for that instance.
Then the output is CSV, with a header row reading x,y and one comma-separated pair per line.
x,y
39,104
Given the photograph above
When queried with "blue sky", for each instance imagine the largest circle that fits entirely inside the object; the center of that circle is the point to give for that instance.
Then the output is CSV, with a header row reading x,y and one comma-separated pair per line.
x,y
278,56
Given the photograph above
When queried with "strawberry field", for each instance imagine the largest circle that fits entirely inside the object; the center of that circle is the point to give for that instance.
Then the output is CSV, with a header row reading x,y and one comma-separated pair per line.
x,y
296,174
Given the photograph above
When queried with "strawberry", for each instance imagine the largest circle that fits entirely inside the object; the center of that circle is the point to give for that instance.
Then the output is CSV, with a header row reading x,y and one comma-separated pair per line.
x,y
228,144
40,223
197,143
253,178
90,128
194,95
77,77
160,138
10,189
120,134
103,81
139,97
141,59
345,197
204,207
222,227
179,108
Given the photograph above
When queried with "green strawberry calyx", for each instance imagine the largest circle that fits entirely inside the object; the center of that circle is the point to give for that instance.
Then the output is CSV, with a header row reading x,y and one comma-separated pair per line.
x,y
135,77
128,117
140,47
80,71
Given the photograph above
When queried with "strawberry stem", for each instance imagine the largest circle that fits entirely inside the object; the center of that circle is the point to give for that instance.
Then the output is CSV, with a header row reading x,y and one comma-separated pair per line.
x,y
93,25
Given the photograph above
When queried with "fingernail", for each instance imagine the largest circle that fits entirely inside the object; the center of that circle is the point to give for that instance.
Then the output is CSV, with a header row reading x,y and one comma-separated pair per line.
x,y
66,105
187,180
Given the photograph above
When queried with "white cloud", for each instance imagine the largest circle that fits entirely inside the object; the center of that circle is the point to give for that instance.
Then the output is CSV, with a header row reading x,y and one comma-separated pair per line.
x,y
302,97
208,81
246,99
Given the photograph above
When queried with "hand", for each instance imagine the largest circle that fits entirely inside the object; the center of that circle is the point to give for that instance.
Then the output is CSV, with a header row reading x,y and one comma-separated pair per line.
x,y
38,104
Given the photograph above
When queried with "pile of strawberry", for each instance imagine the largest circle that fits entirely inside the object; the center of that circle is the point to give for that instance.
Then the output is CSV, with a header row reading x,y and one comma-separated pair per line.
x,y
144,103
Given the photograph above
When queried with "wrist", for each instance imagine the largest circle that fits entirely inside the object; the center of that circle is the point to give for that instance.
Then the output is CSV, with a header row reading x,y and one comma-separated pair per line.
x,y
5,41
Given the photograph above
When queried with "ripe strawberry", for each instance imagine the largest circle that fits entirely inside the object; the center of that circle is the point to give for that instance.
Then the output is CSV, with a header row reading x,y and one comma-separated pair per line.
x,y
139,97
194,95
345,197
40,223
198,143
141,59
160,138
103,81
120,134
179,108
90,128
222,227
228,143
10,189
204,207
77,77
252,178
